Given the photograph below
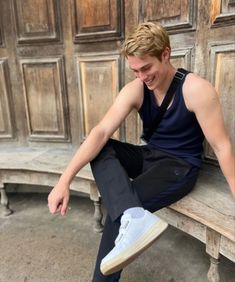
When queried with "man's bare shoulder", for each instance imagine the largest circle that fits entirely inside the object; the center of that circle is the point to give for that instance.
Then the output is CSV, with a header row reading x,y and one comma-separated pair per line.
x,y
135,85
133,91
197,91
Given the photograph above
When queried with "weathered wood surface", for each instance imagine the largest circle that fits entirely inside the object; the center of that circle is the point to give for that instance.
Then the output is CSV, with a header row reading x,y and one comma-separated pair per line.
x,y
60,59
207,213
44,167
210,203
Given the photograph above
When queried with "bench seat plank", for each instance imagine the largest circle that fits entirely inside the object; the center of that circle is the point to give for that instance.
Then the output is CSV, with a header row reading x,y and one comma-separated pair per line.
x,y
210,203
39,166
41,160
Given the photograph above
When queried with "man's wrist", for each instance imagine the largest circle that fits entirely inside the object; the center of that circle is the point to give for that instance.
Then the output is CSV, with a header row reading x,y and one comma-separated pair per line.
x,y
65,181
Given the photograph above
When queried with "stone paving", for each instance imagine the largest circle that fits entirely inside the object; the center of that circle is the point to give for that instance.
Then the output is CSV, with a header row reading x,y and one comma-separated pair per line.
x,y
38,247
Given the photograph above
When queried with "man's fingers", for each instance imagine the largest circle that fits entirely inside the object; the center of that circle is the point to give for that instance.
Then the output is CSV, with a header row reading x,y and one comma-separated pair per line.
x,y
58,201
54,207
64,207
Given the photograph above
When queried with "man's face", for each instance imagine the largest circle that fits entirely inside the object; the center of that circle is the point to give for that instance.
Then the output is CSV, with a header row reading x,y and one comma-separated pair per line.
x,y
148,69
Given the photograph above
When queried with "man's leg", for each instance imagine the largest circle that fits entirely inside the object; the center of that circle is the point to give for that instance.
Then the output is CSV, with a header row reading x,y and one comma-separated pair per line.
x,y
110,233
111,228
112,170
164,181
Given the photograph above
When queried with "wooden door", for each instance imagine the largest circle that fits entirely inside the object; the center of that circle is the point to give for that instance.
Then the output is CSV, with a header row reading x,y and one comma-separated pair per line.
x,y
60,65
59,68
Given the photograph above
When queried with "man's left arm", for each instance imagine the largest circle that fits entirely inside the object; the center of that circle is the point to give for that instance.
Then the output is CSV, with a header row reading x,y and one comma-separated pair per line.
x,y
202,99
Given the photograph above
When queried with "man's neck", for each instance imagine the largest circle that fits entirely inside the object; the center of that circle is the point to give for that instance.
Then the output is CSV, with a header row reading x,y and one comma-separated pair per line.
x,y
162,89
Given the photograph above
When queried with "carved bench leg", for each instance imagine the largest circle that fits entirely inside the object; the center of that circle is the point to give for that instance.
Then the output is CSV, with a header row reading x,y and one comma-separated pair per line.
x,y
98,215
213,273
4,201
212,248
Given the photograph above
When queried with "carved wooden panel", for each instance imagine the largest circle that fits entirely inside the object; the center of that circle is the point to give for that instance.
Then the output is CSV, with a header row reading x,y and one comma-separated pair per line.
x,y
1,25
175,15
222,12
98,80
45,99
98,20
37,21
182,58
1,39
222,61
5,103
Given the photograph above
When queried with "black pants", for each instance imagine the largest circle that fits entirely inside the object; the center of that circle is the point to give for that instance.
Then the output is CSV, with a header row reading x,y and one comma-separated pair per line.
x,y
135,176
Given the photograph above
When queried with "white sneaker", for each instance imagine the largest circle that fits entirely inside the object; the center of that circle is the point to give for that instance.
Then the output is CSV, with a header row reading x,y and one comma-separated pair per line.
x,y
135,235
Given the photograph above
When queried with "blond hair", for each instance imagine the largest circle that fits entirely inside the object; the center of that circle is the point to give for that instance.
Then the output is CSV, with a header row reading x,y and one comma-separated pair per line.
x,y
147,39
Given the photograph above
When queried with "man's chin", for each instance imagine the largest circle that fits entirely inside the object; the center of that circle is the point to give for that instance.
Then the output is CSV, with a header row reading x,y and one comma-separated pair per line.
x,y
151,86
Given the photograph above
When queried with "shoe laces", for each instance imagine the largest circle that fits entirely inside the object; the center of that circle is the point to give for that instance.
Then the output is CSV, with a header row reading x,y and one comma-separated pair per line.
x,y
125,222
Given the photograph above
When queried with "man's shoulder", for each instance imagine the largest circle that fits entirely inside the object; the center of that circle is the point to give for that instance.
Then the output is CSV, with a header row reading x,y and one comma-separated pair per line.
x,y
134,88
195,82
133,92
197,90
136,84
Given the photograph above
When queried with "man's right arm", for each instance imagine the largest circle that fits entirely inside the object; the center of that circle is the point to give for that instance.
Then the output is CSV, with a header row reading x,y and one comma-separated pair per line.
x,y
130,97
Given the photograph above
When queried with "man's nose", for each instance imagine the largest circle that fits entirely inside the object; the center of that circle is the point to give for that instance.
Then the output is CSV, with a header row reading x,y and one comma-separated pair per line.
x,y
142,76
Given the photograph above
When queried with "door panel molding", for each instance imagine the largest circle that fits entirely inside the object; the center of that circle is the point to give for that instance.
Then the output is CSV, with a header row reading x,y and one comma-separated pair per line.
x,y
222,73
37,21
45,99
1,33
175,16
182,58
6,105
222,13
98,80
92,23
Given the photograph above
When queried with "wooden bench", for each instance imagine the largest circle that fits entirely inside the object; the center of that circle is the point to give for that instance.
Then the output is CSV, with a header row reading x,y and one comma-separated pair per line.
x,y
38,166
207,213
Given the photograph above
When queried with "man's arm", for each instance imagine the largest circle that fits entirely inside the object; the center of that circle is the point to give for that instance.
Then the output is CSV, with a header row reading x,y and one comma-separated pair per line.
x,y
130,97
202,99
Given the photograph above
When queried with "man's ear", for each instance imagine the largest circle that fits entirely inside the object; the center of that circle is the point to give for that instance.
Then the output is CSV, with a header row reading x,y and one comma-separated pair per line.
x,y
166,54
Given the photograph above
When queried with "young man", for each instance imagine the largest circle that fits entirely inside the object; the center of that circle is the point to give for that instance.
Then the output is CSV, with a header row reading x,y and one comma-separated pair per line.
x,y
135,181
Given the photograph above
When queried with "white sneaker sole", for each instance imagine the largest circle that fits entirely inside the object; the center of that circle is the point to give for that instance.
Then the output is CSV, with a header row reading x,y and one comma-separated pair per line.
x,y
126,257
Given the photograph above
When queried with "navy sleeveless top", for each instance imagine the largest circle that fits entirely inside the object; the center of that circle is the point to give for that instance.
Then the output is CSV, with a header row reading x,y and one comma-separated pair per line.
x,y
179,132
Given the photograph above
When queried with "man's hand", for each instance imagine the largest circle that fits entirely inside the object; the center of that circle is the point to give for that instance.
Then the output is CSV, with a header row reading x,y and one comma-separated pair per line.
x,y
58,199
